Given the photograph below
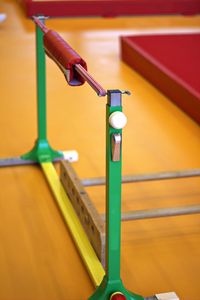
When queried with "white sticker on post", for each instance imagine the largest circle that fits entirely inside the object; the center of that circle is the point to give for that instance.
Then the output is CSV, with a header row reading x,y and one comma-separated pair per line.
x,y
71,156
167,296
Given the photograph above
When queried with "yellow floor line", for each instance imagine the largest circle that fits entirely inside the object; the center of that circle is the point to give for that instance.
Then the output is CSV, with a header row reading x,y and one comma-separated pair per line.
x,y
86,251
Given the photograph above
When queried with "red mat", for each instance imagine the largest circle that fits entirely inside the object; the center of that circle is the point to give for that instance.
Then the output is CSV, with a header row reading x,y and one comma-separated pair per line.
x,y
171,63
72,8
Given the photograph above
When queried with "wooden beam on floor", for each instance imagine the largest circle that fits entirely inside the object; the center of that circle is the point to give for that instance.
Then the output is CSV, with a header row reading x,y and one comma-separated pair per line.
x,y
79,236
85,209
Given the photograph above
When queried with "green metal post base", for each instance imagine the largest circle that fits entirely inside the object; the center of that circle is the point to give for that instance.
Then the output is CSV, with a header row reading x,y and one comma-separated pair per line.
x,y
42,152
107,288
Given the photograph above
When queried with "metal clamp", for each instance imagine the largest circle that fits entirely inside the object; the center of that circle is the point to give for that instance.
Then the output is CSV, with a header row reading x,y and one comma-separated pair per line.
x,y
116,146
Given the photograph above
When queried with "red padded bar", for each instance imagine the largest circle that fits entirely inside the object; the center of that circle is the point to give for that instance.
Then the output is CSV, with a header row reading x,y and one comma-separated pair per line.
x,y
171,63
65,57
70,63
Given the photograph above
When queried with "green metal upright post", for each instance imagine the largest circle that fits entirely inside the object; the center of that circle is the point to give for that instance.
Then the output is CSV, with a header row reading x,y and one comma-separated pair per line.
x,y
41,85
41,152
112,282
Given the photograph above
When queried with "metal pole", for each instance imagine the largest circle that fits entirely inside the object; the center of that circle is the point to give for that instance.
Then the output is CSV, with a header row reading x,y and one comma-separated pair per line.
x,y
159,213
41,84
101,92
113,197
112,282
145,177
42,151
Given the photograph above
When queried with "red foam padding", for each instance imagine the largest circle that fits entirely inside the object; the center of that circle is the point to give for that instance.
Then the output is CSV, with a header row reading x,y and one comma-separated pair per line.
x,y
64,55
72,8
171,63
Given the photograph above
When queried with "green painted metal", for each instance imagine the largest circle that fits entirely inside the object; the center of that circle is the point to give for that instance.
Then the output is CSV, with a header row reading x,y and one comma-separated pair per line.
x,y
112,281
113,202
42,151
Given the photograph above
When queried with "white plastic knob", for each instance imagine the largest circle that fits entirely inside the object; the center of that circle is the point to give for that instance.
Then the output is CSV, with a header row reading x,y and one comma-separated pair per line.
x,y
117,120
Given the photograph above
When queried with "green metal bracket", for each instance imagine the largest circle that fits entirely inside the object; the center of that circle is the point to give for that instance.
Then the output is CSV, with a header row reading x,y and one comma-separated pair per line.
x,y
109,287
112,282
41,152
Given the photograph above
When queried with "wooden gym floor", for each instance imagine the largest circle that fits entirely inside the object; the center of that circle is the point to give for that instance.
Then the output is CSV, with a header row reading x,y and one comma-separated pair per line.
x,y
38,260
